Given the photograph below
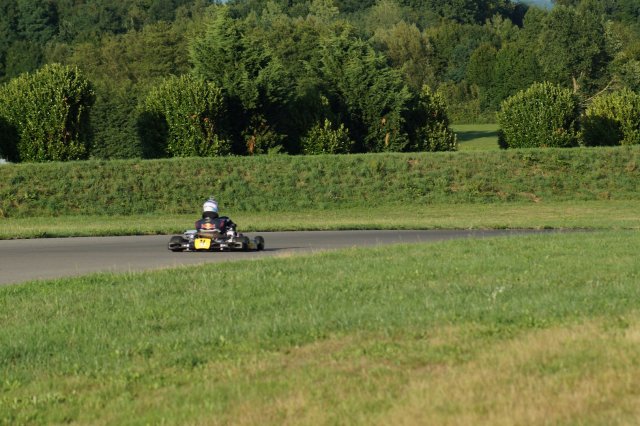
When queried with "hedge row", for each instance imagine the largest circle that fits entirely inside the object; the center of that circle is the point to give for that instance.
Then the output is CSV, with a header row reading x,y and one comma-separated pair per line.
x,y
286,183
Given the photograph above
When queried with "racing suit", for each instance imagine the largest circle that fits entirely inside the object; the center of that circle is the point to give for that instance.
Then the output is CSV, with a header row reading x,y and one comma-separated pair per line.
x,y
211,221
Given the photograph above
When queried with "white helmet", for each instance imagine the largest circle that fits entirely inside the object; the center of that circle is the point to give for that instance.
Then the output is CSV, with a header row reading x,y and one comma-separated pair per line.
x,y
211,205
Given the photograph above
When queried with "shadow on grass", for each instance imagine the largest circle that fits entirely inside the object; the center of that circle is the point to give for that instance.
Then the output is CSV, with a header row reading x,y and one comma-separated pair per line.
x,y
466,136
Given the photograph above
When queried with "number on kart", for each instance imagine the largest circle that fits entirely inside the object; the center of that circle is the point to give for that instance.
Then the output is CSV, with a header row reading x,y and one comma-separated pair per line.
x,y
202,243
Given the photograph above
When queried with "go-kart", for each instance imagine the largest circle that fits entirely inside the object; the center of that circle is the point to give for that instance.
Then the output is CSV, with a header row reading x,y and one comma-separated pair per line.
x,y
214,236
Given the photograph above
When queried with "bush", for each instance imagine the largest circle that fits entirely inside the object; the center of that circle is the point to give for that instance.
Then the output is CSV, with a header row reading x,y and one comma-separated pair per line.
x,y
613,119
8,141
261,138
432,131
49,112
191,111
326,140
544,115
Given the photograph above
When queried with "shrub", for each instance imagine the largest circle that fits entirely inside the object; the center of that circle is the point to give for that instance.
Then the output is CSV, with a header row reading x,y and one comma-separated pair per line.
x,y
432,131
326,140
613,119
191,111
261,138
544,115
49,112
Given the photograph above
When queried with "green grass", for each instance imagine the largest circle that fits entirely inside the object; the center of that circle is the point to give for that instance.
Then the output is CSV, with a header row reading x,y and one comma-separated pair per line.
x,y
477,137
527,330
609,214
269,184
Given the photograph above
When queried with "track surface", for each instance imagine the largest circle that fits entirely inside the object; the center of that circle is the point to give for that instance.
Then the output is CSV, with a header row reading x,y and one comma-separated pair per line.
x,y
26,260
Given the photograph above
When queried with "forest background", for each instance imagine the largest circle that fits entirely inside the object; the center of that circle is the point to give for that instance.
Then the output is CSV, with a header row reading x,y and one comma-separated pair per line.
x,y
280,70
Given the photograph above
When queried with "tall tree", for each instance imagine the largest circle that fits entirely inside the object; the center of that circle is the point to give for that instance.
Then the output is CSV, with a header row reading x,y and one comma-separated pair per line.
x,y
572,46
254,80
516,68
373,94
410,51
37,21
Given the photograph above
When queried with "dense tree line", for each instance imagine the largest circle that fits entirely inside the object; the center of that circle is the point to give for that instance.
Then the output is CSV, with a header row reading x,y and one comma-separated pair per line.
x,y
307,75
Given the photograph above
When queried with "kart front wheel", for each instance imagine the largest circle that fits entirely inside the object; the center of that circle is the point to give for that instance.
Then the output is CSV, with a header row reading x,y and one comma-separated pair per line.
x,y
176,243
260,243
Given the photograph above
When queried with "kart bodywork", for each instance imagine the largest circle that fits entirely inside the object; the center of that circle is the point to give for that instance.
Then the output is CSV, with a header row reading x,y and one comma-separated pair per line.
x,y
194,240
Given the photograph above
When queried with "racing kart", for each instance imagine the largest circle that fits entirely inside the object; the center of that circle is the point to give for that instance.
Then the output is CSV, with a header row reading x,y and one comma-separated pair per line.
x,y
214,237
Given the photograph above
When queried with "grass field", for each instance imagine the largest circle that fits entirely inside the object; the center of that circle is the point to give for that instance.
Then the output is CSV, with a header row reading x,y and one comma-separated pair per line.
x,y
531,330
476,137
605,214
280,183
528,330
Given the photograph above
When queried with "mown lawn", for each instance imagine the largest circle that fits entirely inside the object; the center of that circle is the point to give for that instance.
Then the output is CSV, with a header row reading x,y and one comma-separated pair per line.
x,y
526,330
602,214
476,137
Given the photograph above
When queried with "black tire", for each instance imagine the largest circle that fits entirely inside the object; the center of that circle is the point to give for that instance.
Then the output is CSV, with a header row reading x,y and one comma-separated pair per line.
x,y
260,243
176,243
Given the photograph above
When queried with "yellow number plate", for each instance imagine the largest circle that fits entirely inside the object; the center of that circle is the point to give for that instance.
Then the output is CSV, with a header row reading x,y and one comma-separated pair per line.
x,y
202,243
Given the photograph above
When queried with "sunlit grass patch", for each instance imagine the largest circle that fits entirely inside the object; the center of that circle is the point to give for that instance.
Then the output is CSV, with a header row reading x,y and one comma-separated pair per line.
x,y
585,373
604,214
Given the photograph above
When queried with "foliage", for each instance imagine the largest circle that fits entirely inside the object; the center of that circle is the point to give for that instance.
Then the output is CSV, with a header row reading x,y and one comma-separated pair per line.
x,y
252,78
463,103
624,47
114,123
516,68
260,138
432,131
572,46
374,96
409,50
273,59
193,111
481,65
613,119
331,75
324,139
49,111
544,115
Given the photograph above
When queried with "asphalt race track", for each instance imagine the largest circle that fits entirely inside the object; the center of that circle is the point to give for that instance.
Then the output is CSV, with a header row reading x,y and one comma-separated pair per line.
x,y
35,259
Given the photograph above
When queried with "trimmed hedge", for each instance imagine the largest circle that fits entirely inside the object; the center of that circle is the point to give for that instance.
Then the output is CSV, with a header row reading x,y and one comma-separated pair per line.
x,y
47,112
613,119
544,115
286,183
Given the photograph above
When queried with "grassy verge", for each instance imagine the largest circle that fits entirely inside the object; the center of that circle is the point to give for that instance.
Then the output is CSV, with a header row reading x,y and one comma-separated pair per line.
x,y
323,182
576,214
527,330
477,137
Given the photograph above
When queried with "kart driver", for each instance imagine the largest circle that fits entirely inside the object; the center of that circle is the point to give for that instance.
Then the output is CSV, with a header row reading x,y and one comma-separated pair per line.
x,y
211,219
210,209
